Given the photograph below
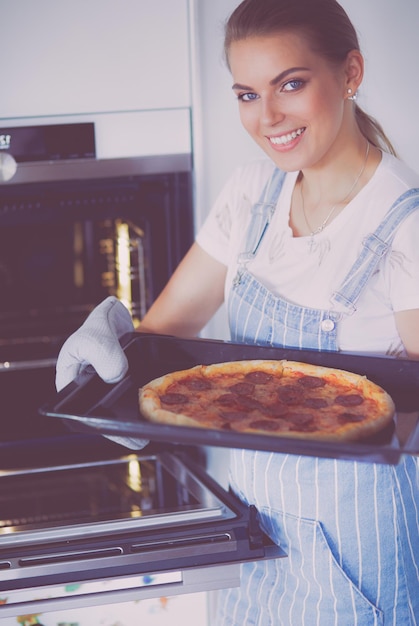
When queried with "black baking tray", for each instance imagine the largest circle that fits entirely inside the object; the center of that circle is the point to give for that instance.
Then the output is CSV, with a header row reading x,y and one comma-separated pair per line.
x,y
112,409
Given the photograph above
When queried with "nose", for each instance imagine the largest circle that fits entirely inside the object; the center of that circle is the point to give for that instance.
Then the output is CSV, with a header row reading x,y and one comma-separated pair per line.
x,y
270,112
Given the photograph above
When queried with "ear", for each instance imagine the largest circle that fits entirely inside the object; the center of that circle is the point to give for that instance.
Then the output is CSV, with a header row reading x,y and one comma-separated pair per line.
x,y
354,71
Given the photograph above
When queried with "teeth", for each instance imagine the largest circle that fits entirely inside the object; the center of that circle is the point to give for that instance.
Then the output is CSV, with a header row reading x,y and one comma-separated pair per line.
x,y
286,138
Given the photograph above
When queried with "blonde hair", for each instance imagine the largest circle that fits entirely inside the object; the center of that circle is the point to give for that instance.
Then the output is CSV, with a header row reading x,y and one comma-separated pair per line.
x,y
323,22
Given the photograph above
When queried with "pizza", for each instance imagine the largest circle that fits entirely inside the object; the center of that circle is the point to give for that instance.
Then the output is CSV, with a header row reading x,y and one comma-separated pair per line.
x,y
276,398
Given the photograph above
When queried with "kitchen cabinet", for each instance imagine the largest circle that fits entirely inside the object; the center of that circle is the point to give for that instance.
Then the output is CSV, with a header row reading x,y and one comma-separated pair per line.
x,y
98,56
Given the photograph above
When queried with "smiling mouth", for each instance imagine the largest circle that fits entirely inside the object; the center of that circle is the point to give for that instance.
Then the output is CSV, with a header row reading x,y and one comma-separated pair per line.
x,y
284,139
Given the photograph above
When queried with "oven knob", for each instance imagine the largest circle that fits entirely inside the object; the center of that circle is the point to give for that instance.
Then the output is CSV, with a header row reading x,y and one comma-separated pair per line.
x,y
8,167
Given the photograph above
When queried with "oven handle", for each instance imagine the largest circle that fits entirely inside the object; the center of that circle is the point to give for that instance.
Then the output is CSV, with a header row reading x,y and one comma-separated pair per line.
x,y
7,366
190,580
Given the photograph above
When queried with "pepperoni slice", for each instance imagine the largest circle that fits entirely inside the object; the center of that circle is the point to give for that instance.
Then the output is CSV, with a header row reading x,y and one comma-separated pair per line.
x,y
197,384
259,377
300,418
345,418
302,422
311,382
276,410
242,388
352,399
174,398
315,403
290,394
227,399
247,402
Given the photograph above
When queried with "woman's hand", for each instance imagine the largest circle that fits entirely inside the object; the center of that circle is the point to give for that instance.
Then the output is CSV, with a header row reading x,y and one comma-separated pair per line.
x,y
96,343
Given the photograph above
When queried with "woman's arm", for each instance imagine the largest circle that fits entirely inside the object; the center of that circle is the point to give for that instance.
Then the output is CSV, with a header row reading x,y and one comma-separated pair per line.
x,y
191,297
407,323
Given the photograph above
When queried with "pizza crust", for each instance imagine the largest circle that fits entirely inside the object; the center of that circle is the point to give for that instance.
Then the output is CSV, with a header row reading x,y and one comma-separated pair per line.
x,y
322,424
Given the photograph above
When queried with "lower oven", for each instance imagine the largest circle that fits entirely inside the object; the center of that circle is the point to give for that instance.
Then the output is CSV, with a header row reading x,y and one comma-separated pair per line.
x,y
123,529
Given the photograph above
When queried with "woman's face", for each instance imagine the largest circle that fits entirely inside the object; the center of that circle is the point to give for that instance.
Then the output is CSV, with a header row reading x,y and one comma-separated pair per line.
x,y
291,100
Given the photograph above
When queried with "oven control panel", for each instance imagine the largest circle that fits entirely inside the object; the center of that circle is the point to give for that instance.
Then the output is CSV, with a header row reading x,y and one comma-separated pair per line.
x,y
51,142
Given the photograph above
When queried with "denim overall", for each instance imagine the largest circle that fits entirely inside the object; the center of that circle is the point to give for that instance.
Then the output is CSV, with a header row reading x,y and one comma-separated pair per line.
x,y
350,529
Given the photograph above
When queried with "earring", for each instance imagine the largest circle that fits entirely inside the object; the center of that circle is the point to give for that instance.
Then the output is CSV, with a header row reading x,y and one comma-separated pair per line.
x,y
352,96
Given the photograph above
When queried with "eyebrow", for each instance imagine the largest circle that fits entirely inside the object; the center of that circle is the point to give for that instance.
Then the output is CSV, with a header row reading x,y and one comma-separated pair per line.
x,y
275,80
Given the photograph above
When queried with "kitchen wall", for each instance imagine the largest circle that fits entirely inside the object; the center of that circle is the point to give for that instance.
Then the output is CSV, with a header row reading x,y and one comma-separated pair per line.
x,y
388,37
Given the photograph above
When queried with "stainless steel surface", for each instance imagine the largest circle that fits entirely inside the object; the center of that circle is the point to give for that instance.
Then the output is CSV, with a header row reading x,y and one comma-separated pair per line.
x,y
86,169
124,589
140,526
34,364
127,494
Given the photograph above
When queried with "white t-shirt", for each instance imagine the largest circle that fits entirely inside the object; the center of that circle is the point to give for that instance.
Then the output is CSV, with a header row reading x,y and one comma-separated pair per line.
x,y
308,275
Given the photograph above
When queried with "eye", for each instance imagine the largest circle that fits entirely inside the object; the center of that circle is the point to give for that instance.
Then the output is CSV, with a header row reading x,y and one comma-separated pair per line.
x,y
247,97
293,85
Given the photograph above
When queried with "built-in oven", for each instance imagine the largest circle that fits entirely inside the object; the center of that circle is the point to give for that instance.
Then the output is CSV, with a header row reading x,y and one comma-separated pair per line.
x,y
74,229
119,529
77,512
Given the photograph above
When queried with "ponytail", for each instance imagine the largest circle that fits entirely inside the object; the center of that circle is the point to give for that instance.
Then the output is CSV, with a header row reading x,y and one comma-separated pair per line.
x,y
373,131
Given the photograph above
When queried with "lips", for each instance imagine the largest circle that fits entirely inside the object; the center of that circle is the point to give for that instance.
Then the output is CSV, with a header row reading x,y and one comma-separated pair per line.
x,y
285,139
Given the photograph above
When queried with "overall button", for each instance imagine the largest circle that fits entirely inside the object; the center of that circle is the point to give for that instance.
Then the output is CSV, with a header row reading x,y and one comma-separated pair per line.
x,y
327,325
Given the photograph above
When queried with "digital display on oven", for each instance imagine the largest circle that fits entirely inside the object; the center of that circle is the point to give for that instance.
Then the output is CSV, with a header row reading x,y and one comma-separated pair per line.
x,y
53,142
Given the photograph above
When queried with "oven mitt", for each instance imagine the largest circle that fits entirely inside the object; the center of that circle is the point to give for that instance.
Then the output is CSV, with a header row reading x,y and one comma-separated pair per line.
x,y
96,343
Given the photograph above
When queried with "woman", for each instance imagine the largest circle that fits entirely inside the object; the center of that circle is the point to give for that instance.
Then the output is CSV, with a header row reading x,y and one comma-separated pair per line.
x,y
305,251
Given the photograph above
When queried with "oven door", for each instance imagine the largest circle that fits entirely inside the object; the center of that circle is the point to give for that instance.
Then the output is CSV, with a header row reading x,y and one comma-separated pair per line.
x,y
65,246
132,527
88,229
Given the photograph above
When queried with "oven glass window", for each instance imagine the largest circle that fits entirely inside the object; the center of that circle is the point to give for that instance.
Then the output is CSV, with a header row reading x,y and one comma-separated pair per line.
x,y
131,488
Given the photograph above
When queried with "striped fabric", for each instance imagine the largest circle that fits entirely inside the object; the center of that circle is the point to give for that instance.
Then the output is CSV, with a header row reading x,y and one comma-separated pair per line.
x,y
351,534
350,529
257,316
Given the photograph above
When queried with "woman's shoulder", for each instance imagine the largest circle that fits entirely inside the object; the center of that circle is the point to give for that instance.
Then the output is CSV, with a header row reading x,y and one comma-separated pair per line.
x,y
394,178
396,172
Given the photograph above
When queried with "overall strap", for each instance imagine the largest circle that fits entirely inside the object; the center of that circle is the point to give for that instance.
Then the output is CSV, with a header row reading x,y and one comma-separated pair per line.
x,y
374,247
261,214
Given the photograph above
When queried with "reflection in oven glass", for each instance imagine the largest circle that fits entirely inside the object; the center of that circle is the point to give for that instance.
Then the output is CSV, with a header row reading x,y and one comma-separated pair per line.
x,y
66,246
123,271
130,488
52,276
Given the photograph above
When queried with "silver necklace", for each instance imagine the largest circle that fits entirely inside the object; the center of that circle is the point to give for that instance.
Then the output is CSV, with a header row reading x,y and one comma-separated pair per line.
x,y
322,226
